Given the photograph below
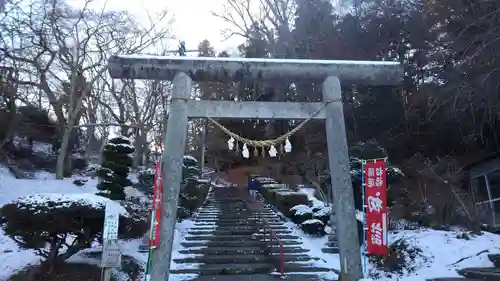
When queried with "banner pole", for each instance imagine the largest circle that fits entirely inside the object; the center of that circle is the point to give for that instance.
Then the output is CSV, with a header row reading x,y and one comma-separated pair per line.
x,y
363,247
374,160
387,224
152,227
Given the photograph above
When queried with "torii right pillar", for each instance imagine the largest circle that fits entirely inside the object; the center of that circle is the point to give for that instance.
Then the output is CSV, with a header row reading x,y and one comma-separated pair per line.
x,y
341,189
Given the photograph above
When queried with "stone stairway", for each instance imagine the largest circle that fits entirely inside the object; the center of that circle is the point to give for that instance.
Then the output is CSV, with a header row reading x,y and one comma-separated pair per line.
x,y
478,273
331,247
227,241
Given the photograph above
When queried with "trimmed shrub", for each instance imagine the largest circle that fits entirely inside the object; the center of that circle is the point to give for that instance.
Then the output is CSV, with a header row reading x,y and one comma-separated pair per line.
x,y
44,222
269,190
316,205
400,260
80,182
115,168
145,181
268,193
139,212
182,213
190,202
285,200
301,213
323,214
190,174
193,195
274,194
190,171
189,161
313,227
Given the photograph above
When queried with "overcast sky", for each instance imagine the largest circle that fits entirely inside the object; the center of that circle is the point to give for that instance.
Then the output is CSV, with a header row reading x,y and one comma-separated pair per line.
x,y
193,19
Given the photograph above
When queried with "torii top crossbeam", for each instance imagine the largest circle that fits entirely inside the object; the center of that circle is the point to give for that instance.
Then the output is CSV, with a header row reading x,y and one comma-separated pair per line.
x,y
240,69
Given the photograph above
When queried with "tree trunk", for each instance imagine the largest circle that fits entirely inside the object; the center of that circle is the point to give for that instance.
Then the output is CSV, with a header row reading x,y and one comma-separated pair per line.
x,y
140,145
52,258
104,139
216,163
10,128
124,130
91,139
138,148
63,152
64,163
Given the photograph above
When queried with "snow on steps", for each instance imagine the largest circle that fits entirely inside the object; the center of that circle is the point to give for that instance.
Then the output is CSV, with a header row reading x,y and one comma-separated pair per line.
x,y
331,247
229,242
261,277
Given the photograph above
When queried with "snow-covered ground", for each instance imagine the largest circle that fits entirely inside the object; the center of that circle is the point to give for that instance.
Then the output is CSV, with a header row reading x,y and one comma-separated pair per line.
x,y
129,249
442,252
14,259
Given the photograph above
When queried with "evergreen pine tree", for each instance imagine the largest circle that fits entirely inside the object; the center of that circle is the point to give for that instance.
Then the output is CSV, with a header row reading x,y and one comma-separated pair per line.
x,y
115,168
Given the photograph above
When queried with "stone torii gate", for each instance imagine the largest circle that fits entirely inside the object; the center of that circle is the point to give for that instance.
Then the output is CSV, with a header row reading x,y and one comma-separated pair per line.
x,y
184,70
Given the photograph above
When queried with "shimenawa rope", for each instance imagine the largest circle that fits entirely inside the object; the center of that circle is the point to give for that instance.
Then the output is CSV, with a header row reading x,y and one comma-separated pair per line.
x,y
270,142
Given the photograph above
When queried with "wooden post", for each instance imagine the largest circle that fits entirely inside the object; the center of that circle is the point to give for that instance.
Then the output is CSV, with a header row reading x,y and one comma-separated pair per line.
x,y
111,255
203,141
106,275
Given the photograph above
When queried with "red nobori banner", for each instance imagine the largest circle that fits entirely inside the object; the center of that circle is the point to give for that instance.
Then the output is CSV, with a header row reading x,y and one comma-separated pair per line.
x,y
377,220
154,238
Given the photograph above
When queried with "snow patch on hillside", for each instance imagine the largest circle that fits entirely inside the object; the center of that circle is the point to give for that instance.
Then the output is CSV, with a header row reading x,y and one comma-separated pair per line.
x,y
443,252
44,187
